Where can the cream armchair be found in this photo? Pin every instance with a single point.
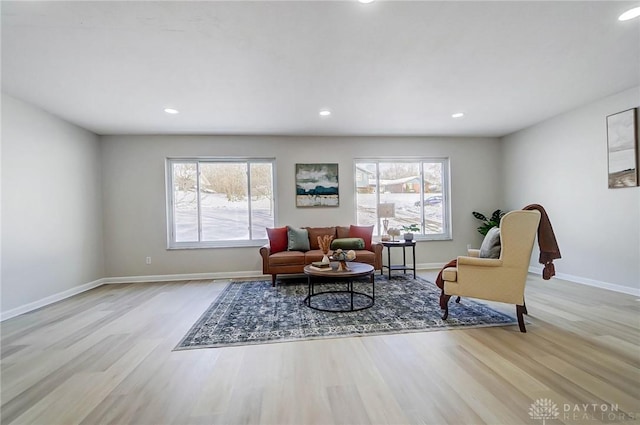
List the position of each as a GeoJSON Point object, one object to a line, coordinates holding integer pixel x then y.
{"type": "Point", "coordinates": [502, 279]}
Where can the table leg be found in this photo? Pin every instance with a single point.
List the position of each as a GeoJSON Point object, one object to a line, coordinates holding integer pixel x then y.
{"type": "Point", "coordinates": [414, 261]}
{"type": "Point", "coordinates": [373, 288]}
{"type": "Point", "coordinates": [351, 288]}
{"type": "Point", "coordinates": [389, 260]}
{"type": "Point", "coordinates": [404, 259]}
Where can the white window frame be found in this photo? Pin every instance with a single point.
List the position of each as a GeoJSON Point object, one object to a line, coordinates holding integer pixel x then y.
{"type": "Point", "coordinates": [171, 242]}
{"type": "Point", "coordinates": [447, 230]}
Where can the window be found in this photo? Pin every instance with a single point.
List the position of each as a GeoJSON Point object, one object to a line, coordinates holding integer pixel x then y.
{"type": "Point", "coordinates": [411, 191]}
{"type": "Point", "coordinates": [219, 201]}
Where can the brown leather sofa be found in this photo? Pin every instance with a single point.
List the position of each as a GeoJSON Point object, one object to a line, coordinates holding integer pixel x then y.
{"type": "Point", "coordinates": [288, 262]}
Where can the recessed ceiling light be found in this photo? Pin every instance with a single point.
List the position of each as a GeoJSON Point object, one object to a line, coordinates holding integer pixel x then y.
{"type": "Point", "coordinates": [325, 112]}
{"type": "Point", "coordinates": [171, 111]}
{"type": "Point", "coordinates": [630, 14]}
{"type": "Point", "coordinates": [365, 1]}
{"type": "Point", "coordinates": [457, 115]}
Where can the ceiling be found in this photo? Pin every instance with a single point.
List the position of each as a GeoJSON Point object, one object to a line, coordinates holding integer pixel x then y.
{"type": "Point", "coordinates": [268, 67]}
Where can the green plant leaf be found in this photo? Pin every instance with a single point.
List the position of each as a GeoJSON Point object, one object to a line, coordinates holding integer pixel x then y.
{"type": "Point", "coordinates": [488, 223]}
{"type": "Point", "coordinates": [479, 216]}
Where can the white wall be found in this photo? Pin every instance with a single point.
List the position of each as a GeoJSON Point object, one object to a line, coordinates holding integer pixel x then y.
{"type": "Point", "coordinates": [51, 206]}
{"type": "Point", "coordinates": [135, 204]}
{"type": "Point", "coordinates": [562, 165]}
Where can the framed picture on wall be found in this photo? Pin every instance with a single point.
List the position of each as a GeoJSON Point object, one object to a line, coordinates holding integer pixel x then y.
{"type": "Point", "coordinates": [317, 185]}
{"type": "Point", "coordinates": [622, 148]}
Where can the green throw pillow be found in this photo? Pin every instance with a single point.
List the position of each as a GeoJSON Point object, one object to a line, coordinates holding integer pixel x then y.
{"type": "Point", "coordinates": [298, 239]}
{"type": "Point", "coordinates": [347, 243]}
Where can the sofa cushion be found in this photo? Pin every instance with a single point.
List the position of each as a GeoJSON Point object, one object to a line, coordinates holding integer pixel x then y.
{"type": "Point", "coordinates": [364, 256]}
{"type": "Point", "coordinates": [491, 246]}
{"type": "Point", "coordinates": [314, 232]}
{"type": "Point", "coordinates": [313, 255]}
{"type": "Point", "coordinates": [342, 232]}
{"type": "Point", "coordinates": [298, 239]}
{"type": "Point", "coordinates": [364, 232]}
{"type": "Point", "coordinates": [286, 258]}
{"type": "Point", "coordinates": [347, 243]}
{"type": "Point", "coordinates": [278, 239]}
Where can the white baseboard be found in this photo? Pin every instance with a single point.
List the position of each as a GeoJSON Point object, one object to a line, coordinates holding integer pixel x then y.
{"type": "Point", "coordinates": [49, 300]}
{"type": "Point", "coordinates": [185, 276]}
{"type": "Point", "coordinates": [591, 282]}
{"type": "Point", "coordinates": [128, 279]}
{"type": "Point", "coordinates": [571, 278]}
{"type": "Point", "coordinates": [142, 279]}
{"type": "Point", "coordinates": [258, 274]}
{"type": "Point", "coordinates": [221, 275]}
{"type": "Point", "coordinates": [430, 266]}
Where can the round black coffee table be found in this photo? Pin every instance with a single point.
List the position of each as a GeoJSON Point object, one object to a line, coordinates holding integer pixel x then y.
{"type": "Point", "coordinates": [356, 271]}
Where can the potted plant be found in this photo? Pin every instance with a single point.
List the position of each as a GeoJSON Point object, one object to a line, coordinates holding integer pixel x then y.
{"type": "Point", "coordinates": [408, 231]}
{"type": "Point", "coordinates": [488, 223]}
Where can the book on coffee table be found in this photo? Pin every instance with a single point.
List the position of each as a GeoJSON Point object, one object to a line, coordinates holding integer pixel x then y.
{"type": "Point", "coordinates": [321, 265]}
{"type": "Point", "coordinates": [320, 269]}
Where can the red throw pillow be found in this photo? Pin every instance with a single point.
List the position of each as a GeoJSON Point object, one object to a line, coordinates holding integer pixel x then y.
{"type": "Point", "coordinates": [364, 232]}
{"type": "Point", "coordinates": [278, 239]}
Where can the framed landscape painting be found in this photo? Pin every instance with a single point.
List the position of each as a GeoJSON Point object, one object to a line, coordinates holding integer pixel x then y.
{"type": "Point", "coordinates": [622, 148]}
{"type": "Point", "coordinates": [317, 185]}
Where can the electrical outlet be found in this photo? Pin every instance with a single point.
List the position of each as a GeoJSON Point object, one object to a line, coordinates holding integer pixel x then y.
{"type": "Point", "coordinates": [148, 260]}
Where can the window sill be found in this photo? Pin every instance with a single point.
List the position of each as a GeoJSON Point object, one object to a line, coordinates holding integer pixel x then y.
{"type": "Point", "coordinates": [420, 238]}
{"type": "Point", "coordinates": [216, 245]}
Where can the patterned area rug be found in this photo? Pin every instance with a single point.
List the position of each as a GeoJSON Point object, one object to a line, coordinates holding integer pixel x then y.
{"type": "Point", "coordinates": [257, 313]}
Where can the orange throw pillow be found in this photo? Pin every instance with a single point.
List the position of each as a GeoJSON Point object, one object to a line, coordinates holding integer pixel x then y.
{"type": "Point", "coordinates": [278, 239]}
{"type": "Point", "coordinates": [314, 232]}
{"type": "Point", "coordinates": [363, 232]}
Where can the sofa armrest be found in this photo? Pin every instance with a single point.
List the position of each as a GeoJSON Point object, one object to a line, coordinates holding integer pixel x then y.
{"type": "Point", "coordinates": [481, 262]}
{"type": "Point", "coordinates": [377, 247]}
{"type": "Point", "coordinates": [265, 251]}
{"type": "Point", "coordinates": [473, 252]}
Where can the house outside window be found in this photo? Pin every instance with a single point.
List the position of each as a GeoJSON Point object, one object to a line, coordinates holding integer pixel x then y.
{"type": "Point", "coordinates": [219, 202]}
{"type": "Point", "coordinates": [416, 190]}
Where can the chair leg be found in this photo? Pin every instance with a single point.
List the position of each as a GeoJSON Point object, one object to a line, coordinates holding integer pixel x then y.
{"type": "Point", "coordinates": [520, 310]}
{"type": "Point", "coordinates": [273, 280]}
{"type": "Point", "coordinates": [458, 300]}
{"type": "Point", "coordinates": [444, 304]}
{"type": "Point", "coordinates": [524, 306]}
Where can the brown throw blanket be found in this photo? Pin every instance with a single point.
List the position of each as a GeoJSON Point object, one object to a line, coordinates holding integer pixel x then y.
{"type": "Point", "coordinates": [439, 279]}
{"type": "Point", "coordinates": [547, 243]}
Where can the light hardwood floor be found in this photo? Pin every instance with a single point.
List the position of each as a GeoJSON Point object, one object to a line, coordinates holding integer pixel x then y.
{"type": "Point", "coordinates": [105, 357]}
